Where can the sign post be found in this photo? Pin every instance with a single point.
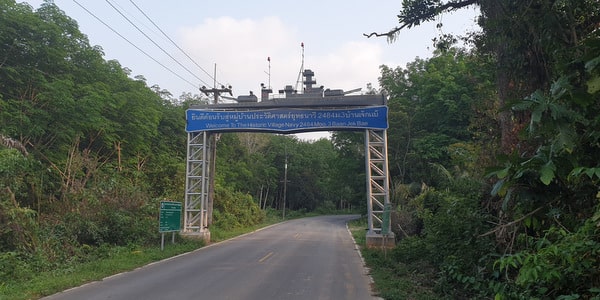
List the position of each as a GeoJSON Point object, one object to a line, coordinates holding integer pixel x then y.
{"type": "Point", "coordinates": [169, 220]}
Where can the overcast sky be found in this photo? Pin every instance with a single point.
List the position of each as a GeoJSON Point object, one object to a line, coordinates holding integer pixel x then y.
{"type": "Point", "coordinates": [238, 36]}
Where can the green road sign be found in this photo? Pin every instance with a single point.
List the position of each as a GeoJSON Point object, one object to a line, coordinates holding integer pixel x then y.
{"type": "Point", "coordinates": [170, 216]}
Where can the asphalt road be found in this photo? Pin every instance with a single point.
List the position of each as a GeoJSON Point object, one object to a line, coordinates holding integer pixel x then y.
{"type": "Point", "coordinates": [310, 258]}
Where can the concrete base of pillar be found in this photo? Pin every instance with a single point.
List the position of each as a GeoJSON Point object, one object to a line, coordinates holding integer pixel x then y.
{"type": "Point", "coordinates": [200, 235]}
{"type": "Point", "coordinates": [377, 240]}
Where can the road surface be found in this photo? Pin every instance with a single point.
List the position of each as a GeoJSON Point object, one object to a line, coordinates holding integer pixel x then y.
{"type": "Point", "coordinates": [310, 258]}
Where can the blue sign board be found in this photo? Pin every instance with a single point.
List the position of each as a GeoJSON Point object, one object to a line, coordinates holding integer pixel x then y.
{"type": "Point", "coordinates": [288, 120]}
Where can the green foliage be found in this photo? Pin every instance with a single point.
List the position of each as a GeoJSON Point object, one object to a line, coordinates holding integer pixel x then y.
{"type": "Point", "coordinates": [542, 115]}
{"type": "Point", "coordinates": [400, 273]}
{"type": "Point", "coordinates": [559, 179]}
{"type": "Point", "coordinates": [11, 266]}
{"type": "Point", "coordinates": [453, 224]}
{"type": "Point", "coordinates": [317, 172]}
{"type": "Point", "coordinates": [234, 209]}
{"type": "Point", "coordinates": [18, 231]}
{"type": "Point", "coordinates": [559, 265]}
{"type": "Point", "coordinates": [348, 169]}
{"type": "Point", "coordinates": [432, 144]}
{"type": "Point", "coordinates": [431, 107]}
{"type": "Point", "coordinates": [16, 175]}
{"type": "Point", "coordinates": [563, 164]}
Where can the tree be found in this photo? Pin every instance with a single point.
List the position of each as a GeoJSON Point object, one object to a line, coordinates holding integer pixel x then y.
{"type": "Point", "coordinates": [545, 56]}
{"type": "Point", "coordinates": [522, 37]}
{"type": "Point", "coordinates": [90, 130]}
{"type": "Point", "coordinates": [432, 104]}
{"type": "Point", "coordinates": [349, 166]}
{"type": "Point", "coordinates": [537, 46]}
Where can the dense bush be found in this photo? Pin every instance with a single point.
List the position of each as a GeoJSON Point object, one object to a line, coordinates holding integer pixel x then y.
{"type": "Point", "coordinates": [234, 209]}
{"type": "Point", "coordinates": [559, 265]}
{"type": "Point", "coordinates": [451, 239]}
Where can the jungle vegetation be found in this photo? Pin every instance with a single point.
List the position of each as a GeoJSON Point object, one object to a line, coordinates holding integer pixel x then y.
{"type": "Point", "coordinates": [494, 151]}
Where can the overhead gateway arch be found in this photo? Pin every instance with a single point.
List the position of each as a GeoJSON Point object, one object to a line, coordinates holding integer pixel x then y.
{"type": "Point", "coordinates": [314, 110]}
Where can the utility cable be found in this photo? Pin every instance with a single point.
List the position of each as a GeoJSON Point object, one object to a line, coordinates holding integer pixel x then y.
{"type": "Point", "coordinates": [172, 42]}
{"type": "Point", "coordinates": [155, 44]}
{"type": "Point", "coordinates": [134, 45]}
{"type": "Point", "coordinates": [137, 19]}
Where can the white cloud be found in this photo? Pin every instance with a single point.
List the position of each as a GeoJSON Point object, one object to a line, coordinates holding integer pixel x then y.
{"type": "Point", "coordinates": [240, 48]}
{"type": "Point", "coordinates": [352, 65]}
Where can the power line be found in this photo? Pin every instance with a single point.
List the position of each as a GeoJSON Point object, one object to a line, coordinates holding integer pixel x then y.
{"type": "Point", "coordinates": [155, 44]}
{"type": "Point", "coordinates": [132, 44]}
{"type": "Point", "coordinates": [137, 19]}
{"type": "Point", "coordinates": [172, 42]}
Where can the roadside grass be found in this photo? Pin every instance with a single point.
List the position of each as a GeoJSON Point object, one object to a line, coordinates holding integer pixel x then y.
{"type": "Point", "coordinates": [116, 260]}
{"type": "Point", "coordinates": [392, 278]}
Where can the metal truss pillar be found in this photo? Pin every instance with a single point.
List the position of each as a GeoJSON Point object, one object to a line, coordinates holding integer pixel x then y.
{"type": "Point", "coordinates": [378, 187]}
{"type": "Point", "coordinates": [196, 185]}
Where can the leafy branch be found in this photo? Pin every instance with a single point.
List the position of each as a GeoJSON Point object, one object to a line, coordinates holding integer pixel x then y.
{"type": "Point", "coordinates": [417, 11]}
